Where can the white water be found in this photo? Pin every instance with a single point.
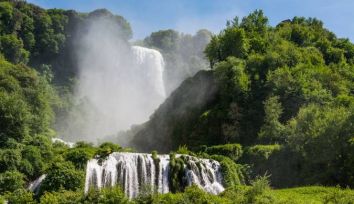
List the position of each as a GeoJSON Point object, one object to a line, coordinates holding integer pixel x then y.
{"type": "Point", "coordinates": [121, 93]}
{"type": "Point", "coordinates": [118, 85]}
{"type": "Point", "coordinates": [136, 171]}
{"type": "Point", "coordinates": [150, 68]}
{"type": "Point", "coordinates": [34, 185]}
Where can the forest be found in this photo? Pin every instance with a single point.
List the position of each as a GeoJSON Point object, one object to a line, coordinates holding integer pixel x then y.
{"type": "Point", "coordinates": [274, 105]}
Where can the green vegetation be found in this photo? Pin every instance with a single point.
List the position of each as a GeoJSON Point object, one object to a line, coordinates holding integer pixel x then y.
{"type": "Point", "coordinates": [283, 93]}
{"type": "Point", "coordinates": [278, 102]}
{"type": "Point", "coordinates": [258, 192]}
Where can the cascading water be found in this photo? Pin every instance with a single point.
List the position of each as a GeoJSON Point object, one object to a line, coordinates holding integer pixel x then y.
{"type": "Point", "coordinates": [35, 185]}
{"type": "Point", "coordinates": [151, 66]}
{"type": "Point", "coordinates": [119, 85]}
{"type": "Point", "coordinates": [136, 171]}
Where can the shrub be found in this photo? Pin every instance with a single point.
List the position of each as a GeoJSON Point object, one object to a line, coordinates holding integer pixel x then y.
{"type": "Point", "coordinates": [233, 151]}
{"type": "Point", "coordinates": [79, 157]}
{"type": "Point", "coordinates": [261, 152]}
{"type": "Point", "coordinates": [177, 174]}
{"type": "Point", "coordinates": [20, 196]}
{"type": "Point", "coordinates": [11, 181]}
{"type": "Point", "coordinates": [232, 173]}
{"type": "Point", "coordinates": [258, 190]}
{"type": "Point", "coordinates": [9, 159]}
{"type": "Point", "coordinates": [106, 149]}
{"type": "Point", "coordinates": [62, 175]}
{"type": "Point", "coordinates": [61, 197]}
{"type": "Point", "coordinates": [111, 195]}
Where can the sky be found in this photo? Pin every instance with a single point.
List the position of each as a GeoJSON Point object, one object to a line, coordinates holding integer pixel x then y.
{"type": "Point", "coordinates": [188, 16]}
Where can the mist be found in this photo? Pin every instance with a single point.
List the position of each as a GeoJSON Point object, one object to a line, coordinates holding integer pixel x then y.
{"type": "Point", "coordinates": [119, 86]}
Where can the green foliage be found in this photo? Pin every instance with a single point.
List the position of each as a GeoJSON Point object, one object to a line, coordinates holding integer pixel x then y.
{"type": "Point", "coordinates": [20, 196]}
{"type": "Point", "coordinates": [321, 135]}
{"type": "Point", "coordinates": [106, 149]}
{"type": "Point", "coordinates": [231, 77]}
{"type": "Point", "coordinates": [32, 155]}
{"type": "Point", "coordinates": [262, 152]}
{"type": "Point", "coordinates": [13, 50]}
{"type": "Point", "coordinates": [62, 175]}
{"type": "Point", "coordinates": [25, 105]}
{"type": "Point", "coordinates": [182, 53]}
{"type": "Point", "coordinates": [177, 180]}
{"type": "Point", "coordinates": [9, 159]}
{"type": "Point", "coordinates": [233, 151]}
{"type": "Point", "coordinates": [107, 195]}
{"type": "Point", "coordinates": [112, 196]}
{"type": "Point", "coordinates": [104, 14]}
{"type": "Point", "coordinates": [338, 196]}
{"type": "Point", "coordinates": [312, 194]}
{"type": "Point", "coordinates": [165, 40]}
{"type": "Point", "coordinates": [289, 85]}
{"type": "Point", "coordinates": [79, 157]}
{"type": "Point", "coordinates": [61, 197]}
{"type": "Point", "coordinates": [11, 181]}
{"type": "Point", "coordinates": [233, 174]}
{"type": "Point", "coordinates": [272, 129]}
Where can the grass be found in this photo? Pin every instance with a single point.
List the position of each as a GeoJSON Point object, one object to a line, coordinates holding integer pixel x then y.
{"type": "Point", "coordinates": [311, 194]}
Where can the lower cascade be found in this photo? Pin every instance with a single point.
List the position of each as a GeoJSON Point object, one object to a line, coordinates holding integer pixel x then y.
{"type": "Point", "coordinates": [137, 171]}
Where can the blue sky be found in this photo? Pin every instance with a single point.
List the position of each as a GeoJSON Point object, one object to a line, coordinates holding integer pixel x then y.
{"type": "Point", "coordinates": [190, 15]}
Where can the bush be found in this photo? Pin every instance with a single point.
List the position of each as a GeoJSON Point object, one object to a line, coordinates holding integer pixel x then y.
{"type": "Point", "coordinates": [233, 151]}
{"type": "Point", "coordinates": [112, 196]}
{"type": "Point", "coordinates": [79, 157]}
{"type": "Point", "coordinates": [106, 149]}
{"type": "Point", "coordinates": [62, 175]}
{"type": "Point", "coordinates": [32, 154]}
{"type": "Point", "coordinates": [232, 173]}
{"type": "Point", "coordinates": [9, 159]}
{"type": "Point", "coordinates": [260, 153]}
{"type": "Point", "coordinates": [61, 197]}
{"type": "Point", "coordinates": [20, 196]}
{"type": "Point", "coordinates": [108, 195]}
{"type": "Point", "coordinates": [177, 174]}
{"type": "Point", "coordinates": [11, 181]}
{"type": "Point", "coordinates": [194, 194]}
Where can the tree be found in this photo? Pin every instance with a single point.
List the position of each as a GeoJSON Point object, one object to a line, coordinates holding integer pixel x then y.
{"type": "Point", "coordinates": [79, 157]}
{"type": "Point", "coordinates": [11, 181]}
{"type": "Point", "coordinates": [232, 78]}
{"type": "Point", "coordinates": [166, 40]}
{"type": "Point", "coordinates": [33, 155]}
{"type": "Point", "coordinates": [272, 130]}
{"type": "Point", "coordinates": [321, 136]}
{"type": "Point", "coordinates": [62, 175]}
{"type": "Point", "coordinates": [12, 48]}
{"type": "Point", "coordinates": [9, 159]}
{"type": "Point", "coordinates": [255, 22]}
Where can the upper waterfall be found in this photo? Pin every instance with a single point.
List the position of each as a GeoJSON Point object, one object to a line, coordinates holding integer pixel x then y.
{"type": "Point", "coordinates": [118, 85]}
{"type": "Point", "coordinates": [136, 171]}
{"type": "Point", "coordinates": [151, 68]}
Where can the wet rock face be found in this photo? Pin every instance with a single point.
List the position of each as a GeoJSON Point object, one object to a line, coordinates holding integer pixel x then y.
{"type": "Point", "coordinates": [136, 172]}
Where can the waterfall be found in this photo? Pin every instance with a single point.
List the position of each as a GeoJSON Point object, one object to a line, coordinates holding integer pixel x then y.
{"type": "Point", "coordinates": [118, 85]}
{"type": "Point", "coordinates": [34, 185]}
{"type": "Point", "coordinates": [136, 171]}
{"type": "Point", "coordinates": [115, 91]}
{"type": "Point", "coordinates": [151, 67]}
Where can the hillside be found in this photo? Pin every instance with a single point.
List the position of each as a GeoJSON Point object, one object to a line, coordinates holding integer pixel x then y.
{"type": "Point", "coordinates": [269, 115]}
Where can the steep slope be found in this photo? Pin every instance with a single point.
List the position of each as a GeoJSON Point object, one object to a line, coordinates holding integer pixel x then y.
{"type": "Point", "coordinates": [167, 127]}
